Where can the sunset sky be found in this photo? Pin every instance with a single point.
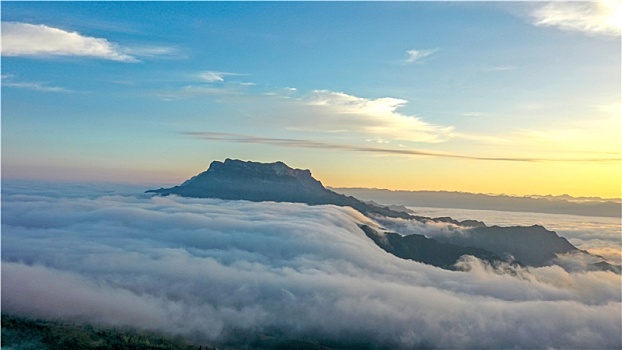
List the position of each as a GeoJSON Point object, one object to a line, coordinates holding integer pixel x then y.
{"type": "Point", "coordinates": [491, 97]}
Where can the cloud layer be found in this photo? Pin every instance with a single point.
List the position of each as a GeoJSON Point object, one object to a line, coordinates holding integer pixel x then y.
{"type": "Point", "coordinates": [209, 269]}
{"type": "Point", "coordinates": [24, 39]}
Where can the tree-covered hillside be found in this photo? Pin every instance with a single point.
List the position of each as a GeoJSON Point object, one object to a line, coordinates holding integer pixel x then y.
{"type": "Point", "coordinates": [21, 334]}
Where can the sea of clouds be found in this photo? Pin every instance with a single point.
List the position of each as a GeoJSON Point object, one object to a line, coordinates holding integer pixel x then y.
{"type": "Point", "coordinates": [212, 270]}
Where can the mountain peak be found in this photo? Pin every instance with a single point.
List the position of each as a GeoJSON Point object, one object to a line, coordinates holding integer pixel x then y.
{"type": "Point", "coordinates": [246, 180]}
{"type": "Point", "coordinates": [238, 179]}
{"type": "Point", "coordinates": [255, 168]}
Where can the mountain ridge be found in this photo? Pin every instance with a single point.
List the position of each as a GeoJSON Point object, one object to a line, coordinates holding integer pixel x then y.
{"type": "Point", "coordinates": [479, 201]}
{"type": "Point", "coordinates": [235, 179]}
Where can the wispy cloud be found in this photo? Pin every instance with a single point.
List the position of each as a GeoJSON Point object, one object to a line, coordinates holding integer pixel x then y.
{"type": "Point", "coordinates": [296, 143]}
{"type": "Point", "coordinates": [417, 55]}
{"type": "Point", "coordinates": [214, 77]}
{"type": "Point", "coordinates": [476, 114]}
{"type": "Point", "coordinates": [152, 51]}
{"type": "Point", "coordinates": [500, 68]}
{"type": "Point", "coordinates": [595, 18]}
{"type": "Point", "coordinates": [23, 39]}
{"type": "Point", "coordinates": [192, 91]}
{"type": "Point", "coordinates": [36, 87]}
{"type": "Point", "coordinates": [7, 81]}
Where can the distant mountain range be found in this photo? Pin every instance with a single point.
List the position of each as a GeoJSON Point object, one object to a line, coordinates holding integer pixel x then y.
{"type": "Point", "coordinates": [253, 181]}
{"type": "Point", "coordinates": [585, 206]}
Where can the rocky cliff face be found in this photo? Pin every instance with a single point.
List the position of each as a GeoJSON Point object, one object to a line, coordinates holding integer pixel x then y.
{"type": "Point", "coordinates": [236, 179]}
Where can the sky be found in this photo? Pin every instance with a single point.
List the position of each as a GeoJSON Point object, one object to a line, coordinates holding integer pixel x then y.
{"type": "Point", "coordinates": [490, 97]}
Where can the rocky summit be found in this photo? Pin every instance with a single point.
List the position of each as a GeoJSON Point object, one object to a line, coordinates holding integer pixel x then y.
{"type": "Point", "coordinates": [244, 180]}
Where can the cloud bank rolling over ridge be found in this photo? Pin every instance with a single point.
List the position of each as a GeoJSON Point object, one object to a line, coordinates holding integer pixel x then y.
{"type": "Point", "coordinates": [597, 235]}
{"type": "Point", "coordinates": [210, 269]}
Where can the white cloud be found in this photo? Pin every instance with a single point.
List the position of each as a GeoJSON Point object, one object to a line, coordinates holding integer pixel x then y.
{"type": "Point", "coordinates": [216, 269]}
{"type": "Point", "coordinates": [428, 229]}
{"type": "Point", "coordinates": [340, 112]}
{"type": "Point", "coordinates": [596, 18]}
{"type": "Point", "coordinates": [417, 55]}
{"type": "Point", "coordinates": [23, 39]}
{"type": "Point", "coordinates": [335, 115]}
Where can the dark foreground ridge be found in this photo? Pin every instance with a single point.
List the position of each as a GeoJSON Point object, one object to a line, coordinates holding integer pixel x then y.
{"type": "Point", "coordinates": [244, 180]}
{"type": "Point", "coordinates": [24, 333]}
{"type": "Point", "coordinates": [27, 333]}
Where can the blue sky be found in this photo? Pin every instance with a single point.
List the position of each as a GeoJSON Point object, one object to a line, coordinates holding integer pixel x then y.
{"type": "Point", "coordinates": [491, 97]}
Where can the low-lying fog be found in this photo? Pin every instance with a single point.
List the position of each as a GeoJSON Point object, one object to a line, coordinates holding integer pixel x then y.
{"type": "Point", "coordinates": [212, 269]}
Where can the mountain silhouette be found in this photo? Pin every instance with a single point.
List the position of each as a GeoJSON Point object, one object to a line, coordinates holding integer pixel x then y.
{"type": "Point", "coordinates": [426, 250]}
{"type": "Point", "coordinates": [244, 180]}
{"type": "Point", "coordinates": [531, 245]}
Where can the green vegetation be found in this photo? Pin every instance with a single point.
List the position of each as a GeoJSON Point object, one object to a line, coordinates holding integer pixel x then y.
{"type": "Point", "coordinates": [19, 333]}
{"type": "Point", "coordinates": [26, 334]}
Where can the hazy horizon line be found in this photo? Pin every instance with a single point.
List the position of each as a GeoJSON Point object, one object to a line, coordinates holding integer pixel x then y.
{"type": "Point", "coordinates": [531, 196]}
{"type": "Point", "coordinates": [147, 183]}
